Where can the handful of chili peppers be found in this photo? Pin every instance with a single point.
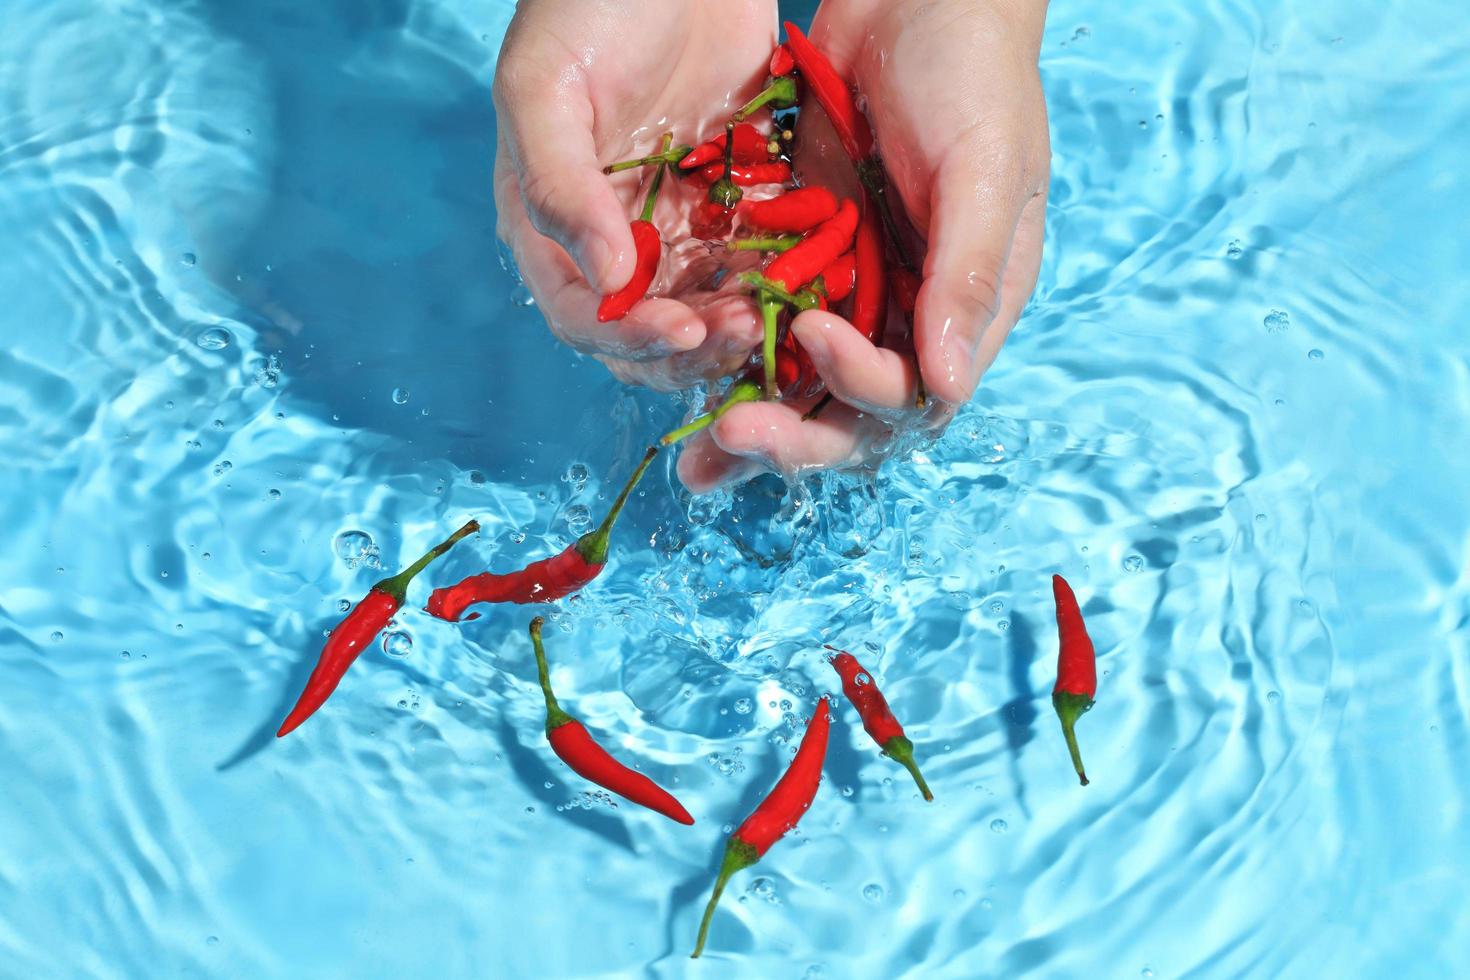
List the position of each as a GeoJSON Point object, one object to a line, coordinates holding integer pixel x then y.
{"type": "Point", "coordinates": [818, 250]}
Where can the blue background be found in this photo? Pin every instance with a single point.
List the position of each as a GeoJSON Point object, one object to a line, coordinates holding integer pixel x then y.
{"type": "Point", "coordinates": [1263, 514]}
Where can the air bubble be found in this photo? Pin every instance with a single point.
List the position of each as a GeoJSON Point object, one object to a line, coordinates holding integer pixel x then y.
{"type": "Point", "coordinates": [397, 644]}
{"type": "Point", "coordinates": [189, 258]}
{"type": "Point", "coordinates": [56, 636]}
{"type": "Point", "coordinates": [1315, 355]}
{"type": "Point", "coordinates": [214, 338]}
{"type": "Point", "coordinates": [998, 825]}
{"type": "Point", "coordinates": [343, 605]}
{"type": "Point", "coordinates": [579, 518]}
{"type": "Point", "coordinates": [1273, 696]}
{"type": "Point", "coordinates": [1233, 250]}
{"type": "Point", "coordinates": [222, 467]}
{"type": "Point", "coordinates": [356, 548]}
{"type": "Point", "coordinates": [873, 893]}
{"type": "Point", "coordinates": [1133, 563]}
{"type": "Point", "coordinates": [274, 494]}
{"type": "Point", "coordinates": [744, 706]}
{"type": "Point", "coordinates": [1277, 321]}
{"type": "Point", "coordinates": [400, 396]}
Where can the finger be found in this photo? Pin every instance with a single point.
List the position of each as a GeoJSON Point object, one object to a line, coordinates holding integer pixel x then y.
{"type": "Point", "coordinates": [547, 118]}
{"type": "Point", "coordinates": [775, 435]}
{"type": "Point", "coordinates": [872, 379]}
{"type": "Point", "coordinates": [704, 466]}
{"type": "Point", "coordinates": [732, 331]}
{"type": "Point", "coordinates": [976, 204]}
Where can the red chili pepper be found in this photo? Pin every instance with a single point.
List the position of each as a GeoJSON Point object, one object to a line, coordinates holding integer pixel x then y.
{"type": "Point", "coordinates": [777, 813]}
{"type": "Point", "coordinates": [1076, 668]}
{"type": "Point", "coordinates": [751, 146]}
{"type": "Point", "coordinates": [716, 216]}
{"type": "Point", "coordinates": [573, 744]}
{"type": "Point", "coordinates": [799, 210]}
{"type": "Point", "coordinates": [839, 275]}
{"type": "Point", "coordinates": [353, 634]}
{"type": "Point", "coordinates": [870, 287]}
{"type": "Point", "coordinates": [905, 285]}
{"type": "Point", "coordinates": [541, 581]}
{"type": "Point", "coordinates": [749, 175]}
{"type": "Point", "coordinates": [878, 720]}
{"type": "Point", "coordinates": [782, 64]}
{"type": "Point", "coordinates": [793, 269]}
{"type": "Point", "coordinates": [648, 248]}
{"type": "Point", "coordinates": [833, 94]}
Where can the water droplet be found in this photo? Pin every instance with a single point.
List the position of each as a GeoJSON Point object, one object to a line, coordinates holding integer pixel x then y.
{"type": "Point", "coordinates": [764, 888]}
{"type": "Point", "coordinates": [212, 941]}
{"type": "Point", "coordinates": [743, 706]}
{"type": "Point", "coordinates": [517, 536]}
{"type": "Point", "coordinates": [343, 605]}
{"type": "Point", "coordinates": [986, 904]}
{"type": "Point", "coordinates": [397, 644]}
{"type": "Point", "coordinates": [1260, 518]}
{"type": "Point", "coordinates": [274, 494]}
{"type": "Point", "coordinates": [579, 518]}
{"type": "Point", "coordinates": [56, 636]}
{"type": "Point", "coordinates": [862, 679]}
{"type": "Point", "coordinates": [577, 475]}
{"type": "Point", "coordinates": [998, 825]}
{"type": "Point", "coordinates": [1147, 972]}
{"type": "Point", "coordinates": [268, 372]}
{"type": "Point", "coordinates": [1003, 625]}
{"type": "Point", "coordinates": [1233, 250]}
{"type": "Point", "coordinates": [356, 548]}
{"type": "Point", "coordinates": [222, 467]}
{"type": "Point", "coordinates": [959, 894]}
{"type": "Point", "coordinates": [996, 607]}
{"type": "Point", "coordinates": [1273, 696]}
{"type": "Point", "coordinates": [1133, 563]}
{"type": "Point", "coordinates": [213, 338]}
{"type": "Point", "coordinates": [1277, 321]}
{"type": "Point", "coordinates": [521, 296]}
{"type": "Point", "coordinates": [400, 396]}
{"type": "Point", "coordinates": [189, 258]}
{"type": "Point", "coordinates": [1315, 355]}
{"type": "Point", "coordinates": [477, 478]}
{"type": "Point", "coordinates": [873, 893]}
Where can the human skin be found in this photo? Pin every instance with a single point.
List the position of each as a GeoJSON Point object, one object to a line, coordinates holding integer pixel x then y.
{"type": "Point", "coordinates": [955, 99]}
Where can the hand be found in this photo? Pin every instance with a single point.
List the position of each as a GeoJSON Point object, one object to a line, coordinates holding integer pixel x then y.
{"type": "Point", "coordinates": [955, 100]}
{"type": "Point", "coordinates": [574, 79]}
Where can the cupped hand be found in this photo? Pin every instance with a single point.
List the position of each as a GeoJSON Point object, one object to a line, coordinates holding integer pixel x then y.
{"type": "Point", "coordinates": [575, 78]}
{"type": "Point", "coordinates": [955, 99]}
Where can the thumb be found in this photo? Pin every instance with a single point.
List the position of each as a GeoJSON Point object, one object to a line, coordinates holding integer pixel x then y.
{"type": "Point", "coordinates": [977, 204]}
{"type": "Point", "coordinates": [548, 130]}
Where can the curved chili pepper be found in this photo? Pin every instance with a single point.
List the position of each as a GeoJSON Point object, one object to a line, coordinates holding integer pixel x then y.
{"type": "Point", "coordinates": [878, 719]}
{"type": "Point", "coordinates": [839, 275]}
{"type": "Point", "coordinates": [353, 634]}
{"type": "Point", "coordinates": [1076, 668]}
{"type": "Point", "coordinates": [782, 64]}
{"type": "Point", "coordinates": [905, 285]}
{"type": "Point", "coordinates": [648, 248]}
{"type": "Point", "coordinates": [541, 581]}
{"type": "Point", "coordinates": [870, 287]}
{"type": "Point", "coordinates": [751, 146]}
{"type": "Point", "coordinates": [573, 744]}
{"type": "Point", "coordinates": [799, 210]}
{"type": "Point", "coordinates": [833, 94]}
{"type": "Point", "coordinates": [777, 813]}
{"type": "Point", "coordinates": [779, 93]}
{"type": "Point", "coordinates": [794, 269]}
{"type": "Point", "coordinates": [748, 175]}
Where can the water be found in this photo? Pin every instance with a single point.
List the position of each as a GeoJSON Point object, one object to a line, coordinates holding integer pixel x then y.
{"type": "Point", "coordinates": [229, 233]}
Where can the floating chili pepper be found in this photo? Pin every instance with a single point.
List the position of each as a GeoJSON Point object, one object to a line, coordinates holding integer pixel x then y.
{"type": "Point", "coordinates": [782, 64]}
{"type": "Point", "coordinates": [800, 210]}
{"type": "Point", "coordinates": [839, 275]}
{"type": "Point", "coordinates": [573, 744]}
{"type": "Point", "coordinates": [878, 719]}
{"type": "Point", "coordinates": [1076, 668]}
{"type": "Point", "coordinates": [670, 156]}
{"type": "Point", "coordinates": [794, 269]}
{"type": "Point", "coordinates": [777, 813]}
{"type": "Point", "coordinates": [779, 93]}
{"type": "Point", "coordinates": [751, 146]}
{"type": "Point", "coordinates": [541, 581]}
{"type": "Point", "coordinates": [748, 175]}
{"type": "Point", "coordinates": [648, 248]}
{"type": "Point", "coordinates": [905, 285]}
{"type": "Point", "coordinates": [870, 287]}
{"type": "Point", "coordinates": [745, 390]}
{"type": "Point", "coordinates": [361, 627]}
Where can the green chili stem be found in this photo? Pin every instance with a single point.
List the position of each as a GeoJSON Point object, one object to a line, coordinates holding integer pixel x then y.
{"type": "Point", "coordinates": [397, 586]}
{"type": "Point", "coordinates": [1070, 707]}
{"type": "Point", "coordinates": [901, 750]}
{"type": "Point", "coordinates": [669, 155]}
{"type": "Point", "coordinates": [658, 179]}
{"type": "Point", "coordinates": [763, 243]}
{"type": "Point", "coordinates": [770, 310]}
{"type": "Point", "coordinates": [592, 546]}
{"type": "Point", "coordinates": [738, 856]}
{"type": "Point", "coordinates": [742, 391]}
{"type": "Point", "coordinates": [555, 716]}
{"type": "Point", "coordinates": [781, 92]}
{"type": "Point", "coordinates": [760, 284]}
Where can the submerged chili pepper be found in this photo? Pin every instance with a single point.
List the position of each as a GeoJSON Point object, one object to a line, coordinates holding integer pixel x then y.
{"type": "Point", "coordinates": [1076, 668]}
{"type": "Point", "coordinates": [777, 813]}
{"type": "Point", "coordinates": [353, 634]}
{"type": "Point", "coordinates": [870, 287]}
{"type": "Point", "coordinates": [799, 210]}
{"type": "Point", "coordinates": [905, 285]}
{"type": "Point", "coordinates": [750, 146]}
{"type": "Point", "coordinates": [779, 93]}
{"type": "Point", "coordinates": [839, 275]}
{"type": "Point", "coordinates": [794, 269]}
{"type": "Point", "coordinates": [573, 744]}
{"type": "Point", "coordinates": [750, 174]}
{"type": "Point", "coordinates": [541, 581]}
{"type": "Point", "coordinates": [648, 248]}
{"type": "Point", "coordinates": [878, 719]}
{"type": "Point", "coordinates": [782, 64]}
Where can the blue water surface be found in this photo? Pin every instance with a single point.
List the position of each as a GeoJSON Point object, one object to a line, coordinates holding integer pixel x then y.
{"type": "Point", "coordinates": [257, 345]}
